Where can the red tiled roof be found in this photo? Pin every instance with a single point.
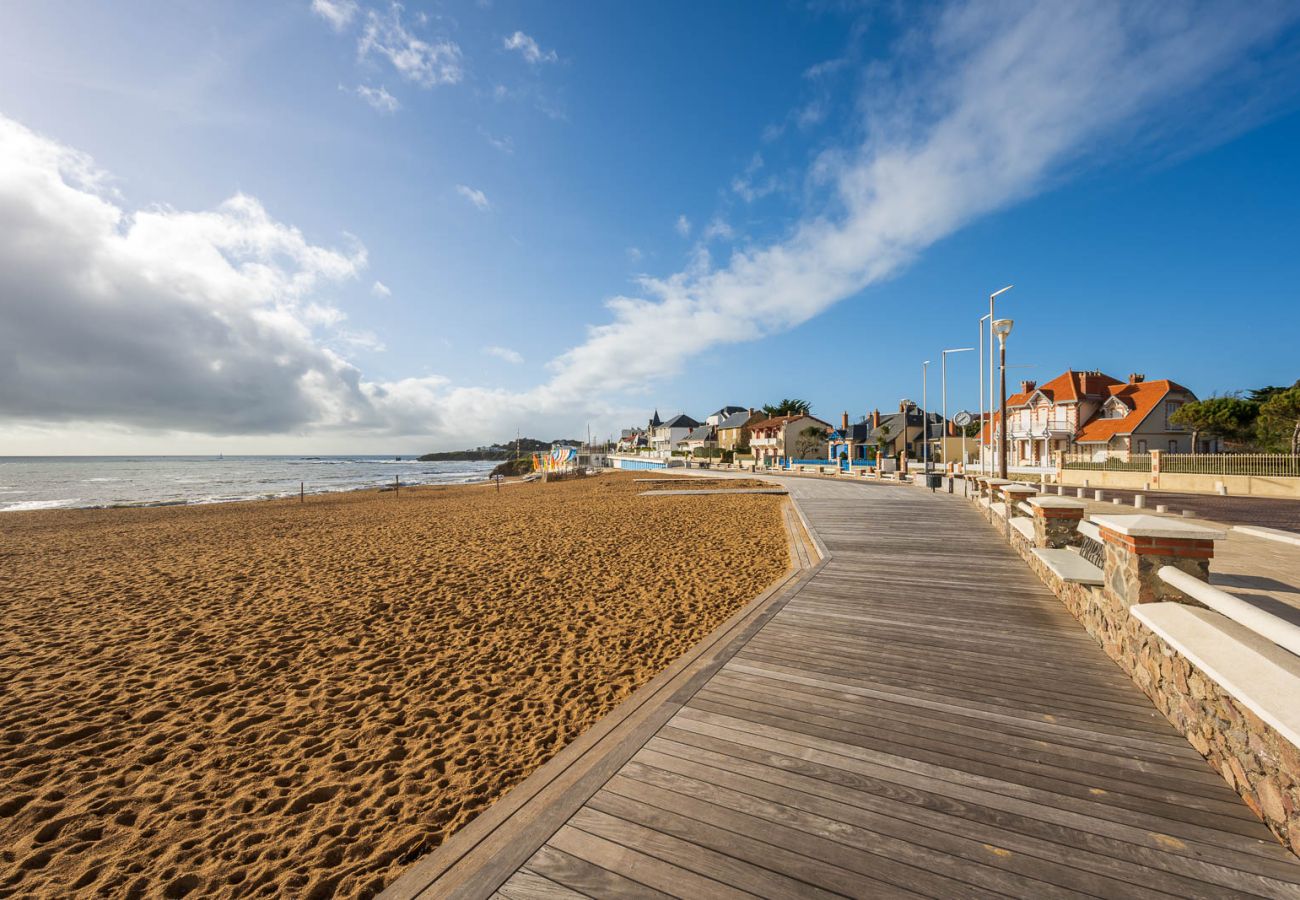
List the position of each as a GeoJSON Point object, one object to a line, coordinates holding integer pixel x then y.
{"type": "Point", "coordinates": [1140, 398]}
{"type": "Point", "coordinates": [778, 421]}
{"type": "Point", "coordinates": [1067, 387]}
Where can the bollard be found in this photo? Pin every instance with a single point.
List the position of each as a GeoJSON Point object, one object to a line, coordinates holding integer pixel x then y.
{"type": "Point", "coordinates": [1139, 502]}
{"type": "Point", "coordinates": [1079, 493]}
{"type": "Point", "coordinates": [1116, 501]}
{"type": "Point", "coordinates": [302, 491]}
{"type": "Point", "coordinates": [1220, 488]}
{"type": "Point", "coordinates": [1162, 508]}
{"type": "Point", "coordinates": [1188, 514]}
{"type": "Point", "coordinates": [1098, 496]}
{"type": "Point", "coordinates": [1060, 490]}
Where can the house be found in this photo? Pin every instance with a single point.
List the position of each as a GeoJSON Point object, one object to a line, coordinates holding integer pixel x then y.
{"type": "Point", "coordinates": [1135, 418]}
{"type": "Point", "coordinates": [781, 437]}
{"type": "Point", "coordinates": [665, 436]}
{"type": "Point", "coordinates": [734, 431]}
{"type": "Point", "coordinates": [890, 434]}
{"type": "Point", "coordinates": [701, 438]}
{"type": "Point", "coordinates": [719, 416]}
{"type": "Point", "coordinates": [633, 439]}
{"type": "Point", "coordinates": [1090, 411]}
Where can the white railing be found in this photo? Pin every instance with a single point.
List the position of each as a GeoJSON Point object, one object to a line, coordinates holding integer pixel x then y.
{"type": "Point", "coordinates": [764, 442]}
{"type": "Point", "coordinates": [1276, 465]}
{"type": "Point", "coordinates": [1278, 630]}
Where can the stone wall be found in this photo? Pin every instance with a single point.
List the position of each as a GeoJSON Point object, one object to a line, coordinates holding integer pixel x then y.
{"type": "Point", "coordinates": [1251, 756]}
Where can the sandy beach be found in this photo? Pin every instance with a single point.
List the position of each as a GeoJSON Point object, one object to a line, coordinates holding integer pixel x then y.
{"type": "Point", "coordinates": [284, 699]}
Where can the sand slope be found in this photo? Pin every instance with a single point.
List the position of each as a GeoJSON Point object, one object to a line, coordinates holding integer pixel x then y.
{"type": "Point", "coordinates": [281, 699]}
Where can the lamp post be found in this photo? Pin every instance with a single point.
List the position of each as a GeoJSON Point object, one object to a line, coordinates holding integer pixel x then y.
{"type": "Point", "coordinates": [944, 357]}
{"type": "Point", "coordinates": [992, 321]}
{"type": "Point", "coordinates": [1002, 328]}
{"type": "Point", "coordinates": [925, 422]}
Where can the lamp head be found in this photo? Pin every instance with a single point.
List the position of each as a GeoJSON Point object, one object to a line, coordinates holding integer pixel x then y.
{"type": "Point", "coordinates": [1002, 328]}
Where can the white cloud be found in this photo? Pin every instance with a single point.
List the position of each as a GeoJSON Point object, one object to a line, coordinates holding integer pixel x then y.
{"type": "Point", "coordinates": [477, 197]}
{"type": "Point", "coordinates": [718, 229]}
{"type": "Point", "coordinates": [378, 98]}
{"type": "Point", "coordinates": [528, 47]}
{"type": "Point", "coordinates": [419, 61]}
{"type": "Point", "coordinates": [683, 225]}
{"type": "Point", "coordinates": [748, 186]}
{"type": "Point", "coordinates": [216, 322]}
{"type": "Point", "coordinates": [504, 144]}
{"type": "Point", "coordinates": [379, 289]}
{"type": "Point", "coordinates": [989, 107]}
{"type": "Point", "coordinates": [634, 254]}
{"type": "Point", "coordinates": [510, 356]}
{"type": "Point", "coordinates": [338, 13]}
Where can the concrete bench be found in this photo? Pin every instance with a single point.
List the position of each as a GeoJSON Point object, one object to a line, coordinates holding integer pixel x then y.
{"type": "Point", "coordinates": [1259, 674]}
{"type": "Point", "coordinates": [1069, 566]}
{"type": "Point", "coordinates": [999, 509]}
{"type": "Point", "coordinates": [1025, 527]}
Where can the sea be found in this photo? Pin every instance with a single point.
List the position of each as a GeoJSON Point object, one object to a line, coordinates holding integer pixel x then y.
{"type": "Point", "coordinates": [67, 482]}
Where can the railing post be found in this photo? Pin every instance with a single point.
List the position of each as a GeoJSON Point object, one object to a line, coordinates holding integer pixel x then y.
{"type": "Point", "coordinates": [1138, 546]}
{"type": "Point", "coordinates": [1056, 521]}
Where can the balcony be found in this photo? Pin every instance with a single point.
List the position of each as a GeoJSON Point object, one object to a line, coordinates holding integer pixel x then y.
{"type": "Point", "coordinates": [764, 442]}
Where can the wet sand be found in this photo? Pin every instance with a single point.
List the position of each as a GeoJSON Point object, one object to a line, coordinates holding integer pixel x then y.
{"type": "Point", "coordinates": [284, 699]}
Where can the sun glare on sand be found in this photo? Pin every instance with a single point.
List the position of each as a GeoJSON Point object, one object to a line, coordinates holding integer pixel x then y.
{"type": "Point", "coordinates": [265, 699]}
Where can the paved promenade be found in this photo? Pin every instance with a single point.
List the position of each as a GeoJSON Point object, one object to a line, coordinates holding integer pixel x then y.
{"type": "Point", "coordinates": [915, 716]}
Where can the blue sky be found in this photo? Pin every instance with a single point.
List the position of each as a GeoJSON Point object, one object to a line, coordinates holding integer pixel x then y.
{"type": "Point", "coordinates": [454, 220]}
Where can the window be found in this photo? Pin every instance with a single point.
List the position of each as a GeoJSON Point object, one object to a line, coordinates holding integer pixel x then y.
{"type": "Point", "coordinates": [1171, 407]}
{"type": "Point", "coordinates": [1142, 447]}
{"type": "Point", "coordinates": [1173, 446]}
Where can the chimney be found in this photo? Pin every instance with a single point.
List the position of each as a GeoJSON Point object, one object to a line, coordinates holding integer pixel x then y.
{"type": "Point", "coordinates": [1083, 384]}
{"type": "Point", "coordinates": [844, 423]}
{"type": "Point", "coordinates": [875, 418]}
{"type": "Point", "coordinates": [1027, 386]}
{"type": "Point", "coordinates": [1136, 378]}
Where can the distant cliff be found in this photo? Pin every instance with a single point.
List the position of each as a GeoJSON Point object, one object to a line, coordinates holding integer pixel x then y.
{"type": "Point", "coordinates": [525, 446]}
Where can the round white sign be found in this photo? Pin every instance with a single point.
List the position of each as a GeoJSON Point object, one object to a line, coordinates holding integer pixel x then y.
{"type": "Point", "coordinates": [962, 419]}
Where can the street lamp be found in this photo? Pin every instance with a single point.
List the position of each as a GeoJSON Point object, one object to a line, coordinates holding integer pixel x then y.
{"type": "Point", "coordinates": [992, 318]}
{"type": "Point", "coordinates": [944, 357]}
{"type": "Point", "coordinates": [1002, 328]}
{"type": "Point", "coordinates": [925, 422]}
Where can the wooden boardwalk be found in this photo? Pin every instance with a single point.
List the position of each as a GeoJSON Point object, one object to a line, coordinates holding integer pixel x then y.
{"type": "Point", "coordinates": [915, 716]}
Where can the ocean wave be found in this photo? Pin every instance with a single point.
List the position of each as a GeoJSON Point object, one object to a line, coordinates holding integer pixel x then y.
{"type": "Point", "coordinates": [30, 505]}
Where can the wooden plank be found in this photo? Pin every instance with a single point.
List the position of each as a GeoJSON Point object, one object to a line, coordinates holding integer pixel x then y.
{"type": "Point", "coordinates": [690, 856]}
{"type": "Point", "coordinates": [821, 845]}
{"type": "Point", "coordinates": [529, 885]}
{"type": "Point", "coordinates": [586, 878]}
{"type": "Point", "coordinates": [845, 795]}
{"type": "Point", "coordinates": [643, 868]}
{"type": "Point", "coordinates": [1225, 848]}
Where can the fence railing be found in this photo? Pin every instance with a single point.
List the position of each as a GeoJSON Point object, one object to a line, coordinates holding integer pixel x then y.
{"type": "Point", "coordinates": [1132, 462]}
{"type": "Point", "coordinates": [1278, 465]}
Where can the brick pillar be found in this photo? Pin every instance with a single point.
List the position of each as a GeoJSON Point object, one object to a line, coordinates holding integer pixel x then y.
{"type": "Point", "coordinates": [1138, 546]}
{"type": "Point", "coordinates": [1056, 521]}
{"type": "Point", "coordinates": [1012, 494]}
{"type": "Point", "coordinates": [1155, 469]}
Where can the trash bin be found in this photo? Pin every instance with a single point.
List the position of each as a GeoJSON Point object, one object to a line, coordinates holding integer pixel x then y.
{"type": "Point", "coordinates": [933, 480]}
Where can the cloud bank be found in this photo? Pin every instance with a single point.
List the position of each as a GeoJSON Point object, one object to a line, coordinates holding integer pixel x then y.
{"type": "Point", "coordinates": [214, 321]}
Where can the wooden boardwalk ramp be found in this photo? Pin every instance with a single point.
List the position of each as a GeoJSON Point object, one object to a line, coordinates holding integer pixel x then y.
{"type": "Point", "coordinates": [917, 716]}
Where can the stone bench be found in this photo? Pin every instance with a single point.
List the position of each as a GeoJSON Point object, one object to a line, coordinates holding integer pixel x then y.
{"type": "Point", "coordinates": [1254, 670]}
{"type": "Point", "coordinates": [1024, 526]}
{"type": "Point", "coordinates": [1067, 565]}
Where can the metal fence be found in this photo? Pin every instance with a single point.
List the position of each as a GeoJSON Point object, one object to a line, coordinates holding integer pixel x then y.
{"type": "Point", "coordinates": [1131, 462]}
{"type": "Point", "coordinates": [1282, 465]}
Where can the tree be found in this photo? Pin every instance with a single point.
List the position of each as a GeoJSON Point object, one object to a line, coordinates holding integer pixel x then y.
{"type": "Point", "coordinates": [788, 407]}
{"type": "Point", "coordinates": [1264, 394]}
{"type": "Point", "coordinates": [1279, 420]}
{"type": "Point", "coordinates": [1229, 417]}
{"type": "Point", "coordinates": [809, 442]}
{"type": "Point", "coordinates": [882, 439]}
